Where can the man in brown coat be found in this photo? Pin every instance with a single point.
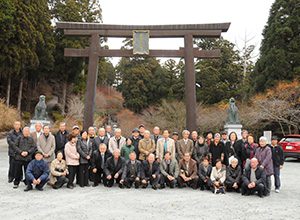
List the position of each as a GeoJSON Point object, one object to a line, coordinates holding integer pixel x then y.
{"type": "Point", "coordinates": [188, 172]}
{"type": "Point", "coordinates": [146, 146]}
{"type": "Point", "coordinates": [185, 145]}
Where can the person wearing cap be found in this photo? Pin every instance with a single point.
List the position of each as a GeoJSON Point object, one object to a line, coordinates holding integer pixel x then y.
{"type": "Point", "coordinates": [142, 130]}
{"type": "Point", "coordinates": [37, 172]}
{"type": "Point", "coordinates": [185, 145]}
{"type": "Point", "coordinates": [165, 144]}
{"type": "Point", "coordinates": [146, 146]}
{"type": "Point", "coordinates": [264, 156]}
{"type": "Point", "coordinates": [216, 149]}
{"type": "Point", "coordinates": [224, 138]}
{"type": "Point", "coordinates": [117, 141]}
{"type": "Point", "coordinates": [135, 138]}
{"type": "Point", "coordinates": [24, 149]}
{"type": "Point", "coordinates": [278, 160]}
{"type": "Point", "coordinates": [46, 145]}
{"type": "Point", "coordinates": [76, 131]}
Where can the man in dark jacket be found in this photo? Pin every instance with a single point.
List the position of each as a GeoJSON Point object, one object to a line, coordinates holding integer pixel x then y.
{"type": "Point", "coordinates": [37, 172]}
{"type": "Point", "coordinates": [24, 149]}
{"type": "Point", "coordinates": [100, 139]}
{"type": "Point", "coordinates": [99, 158]}
{"type": "Point", "coordinates": [233, 176]}
{"type": "Point", "coordinates": [278, 160]}
{"type": "Point", "coordinates": [254, 179]}
{"type": "Point", "coordinates": [150, 172]}
{"type": "Point", "coordinates": [240, 144]}
{"type": "Point", "coordinates": [12, 137]}
{"type": "Point", "coordinates": [61, 138]}
{"type": "Point", "coordinates": [204, 172]}
{"type": "Point", "coordinates": [132, 172]}
{"type": "Point", "coordinates": [135, 138]}
{"type": "Point", "coordinates": [113, 168]}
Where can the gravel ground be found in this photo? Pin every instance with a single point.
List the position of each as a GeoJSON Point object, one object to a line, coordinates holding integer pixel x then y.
{"type": "Point", "coordinates": [115, 203]}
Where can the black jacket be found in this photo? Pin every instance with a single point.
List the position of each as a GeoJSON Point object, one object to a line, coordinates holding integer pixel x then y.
{"type": "Point", "coordinates": [24, 144]}
{"type": "Point", "coordinates": [111, 169]}
{"type": "Point", "coordinates": [60, 141]}
{"type": "Point", "coordinates": [240, 144]}
{"type": "Point", "coordinates": [233, 175]}
{"type": "Point", "coordinates": [12, 137]}
{"type": "Point", "coordinates": [277, 155]}
{"type": "Point", "coordinates": [200, 151]}
{"type": "Point", "coordinates": [137, 167]}
{"type": "Point", "coordinates": [97, 141]}
{"type": "Point", "coordinates": [135, 143]}
{"type": "Point", "coordinates": [97, 159]}
{"type": "Point", "coordinates": [146, 173]}
{"type": "Point", "coordinates": [259, 173]}
{"type": "Point", "coordinates": [216, 152]}
{"type": "Point", "coordinates": [230, 150]}
{"type": "Point", "coordinates": [204, 174]}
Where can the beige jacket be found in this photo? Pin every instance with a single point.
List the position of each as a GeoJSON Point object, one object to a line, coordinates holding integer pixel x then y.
{"type": "Point", "coordinates": [146, 146]}
{"type": "Point", "coordinates": [72, 156]}
{"type": "Point", "coordinates": [55, 166]}
{"type": "Point", "coordinates": [160, 148]}
{"type": "Point", "coordinates": [47, 146]}
{"type": "Point", "coordinates": [183, 147]}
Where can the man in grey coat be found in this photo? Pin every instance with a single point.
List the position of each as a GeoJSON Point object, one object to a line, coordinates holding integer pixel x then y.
{"type": "Point", "coordinates": [46, 145]}
{"type": "Point", "coordinates": [169, 171]}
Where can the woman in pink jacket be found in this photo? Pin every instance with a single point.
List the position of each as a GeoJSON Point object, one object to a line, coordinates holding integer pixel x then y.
{"type": "Point", "coordinates": [72, 159]}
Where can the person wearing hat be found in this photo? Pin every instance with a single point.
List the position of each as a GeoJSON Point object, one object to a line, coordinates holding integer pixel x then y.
{"type": "Point", "coordinates": [135, 138]}
{"type": "Point", "coordinates": [278, 160]}
{"type": "Point", "coordinates": [142, 129]}
{"type": "Point", "coordinates": [76, 131]}
{"type": "Point", "coordinates": [224, 137]}
{"type": "Point", "coordinates": [37, 172]}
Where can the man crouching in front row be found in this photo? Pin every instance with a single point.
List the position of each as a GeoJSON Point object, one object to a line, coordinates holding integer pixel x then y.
{"type": "Point", "coordinates": [254, 179]}
{"type": "Point", "coordinates": [132, 172]}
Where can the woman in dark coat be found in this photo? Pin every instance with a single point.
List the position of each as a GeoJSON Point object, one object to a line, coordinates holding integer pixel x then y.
{"type": "Point", "coordinates": [84, 148]}
{"type": "Point", "coordinates": [230, 149]}
{"type": "Point", "coordinates": [201, 150]}
{"type": "Point", "coordinates": [217, 149]}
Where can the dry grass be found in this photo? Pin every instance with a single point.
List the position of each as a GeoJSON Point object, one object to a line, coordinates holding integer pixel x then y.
{"type": "Point", "coordinates": [8, 116]}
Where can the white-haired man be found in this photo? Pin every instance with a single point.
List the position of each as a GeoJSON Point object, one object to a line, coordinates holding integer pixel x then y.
{"type": "Point", "coordinates": [117, 141]}
{"type": "Point", "coordinates": [185, 145]}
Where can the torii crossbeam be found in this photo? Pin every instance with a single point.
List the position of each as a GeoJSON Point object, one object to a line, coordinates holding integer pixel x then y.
{"type": "Point", "coordinates": [186, 31]}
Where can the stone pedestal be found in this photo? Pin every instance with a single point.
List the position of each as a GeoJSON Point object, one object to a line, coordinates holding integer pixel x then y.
{"type": "Point", "coordinates": [237, 128]}
{"type": "Point", "coordinates": [33, 122]}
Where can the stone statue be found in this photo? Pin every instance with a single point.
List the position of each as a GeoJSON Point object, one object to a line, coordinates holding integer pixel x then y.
{"type": "Point", "coordinates": [233, 116]}
{"type": "Point", "coordinates": [40, 112]}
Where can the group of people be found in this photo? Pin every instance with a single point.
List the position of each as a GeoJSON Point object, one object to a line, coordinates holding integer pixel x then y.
{"type": "Point", "coordinates": [216, 162]}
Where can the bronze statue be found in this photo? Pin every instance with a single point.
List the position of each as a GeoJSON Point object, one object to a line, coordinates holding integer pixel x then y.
{"type": "Point", "coordinates": [40, 112]}
{"type": "Point", "coordinates": [233, 116]}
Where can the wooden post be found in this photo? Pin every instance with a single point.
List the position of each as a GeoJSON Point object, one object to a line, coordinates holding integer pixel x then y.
{"type": "Point", "coordinates": [91, 82]}
{"type": "Point", "coordinates": [190, 83]}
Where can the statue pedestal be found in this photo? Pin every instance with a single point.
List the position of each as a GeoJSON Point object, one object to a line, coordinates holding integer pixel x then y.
{"type": "Point", "coordinates": [33, 122]}
{"type": "Point", "coordinates": [237, 128]}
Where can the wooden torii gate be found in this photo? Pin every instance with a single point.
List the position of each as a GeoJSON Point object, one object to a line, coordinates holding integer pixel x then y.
{"type": "Point", "coordinates": [186, 31]}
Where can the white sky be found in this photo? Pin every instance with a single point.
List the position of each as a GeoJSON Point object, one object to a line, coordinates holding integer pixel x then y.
{"type": "Point", "coordinates": [247, 17]}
